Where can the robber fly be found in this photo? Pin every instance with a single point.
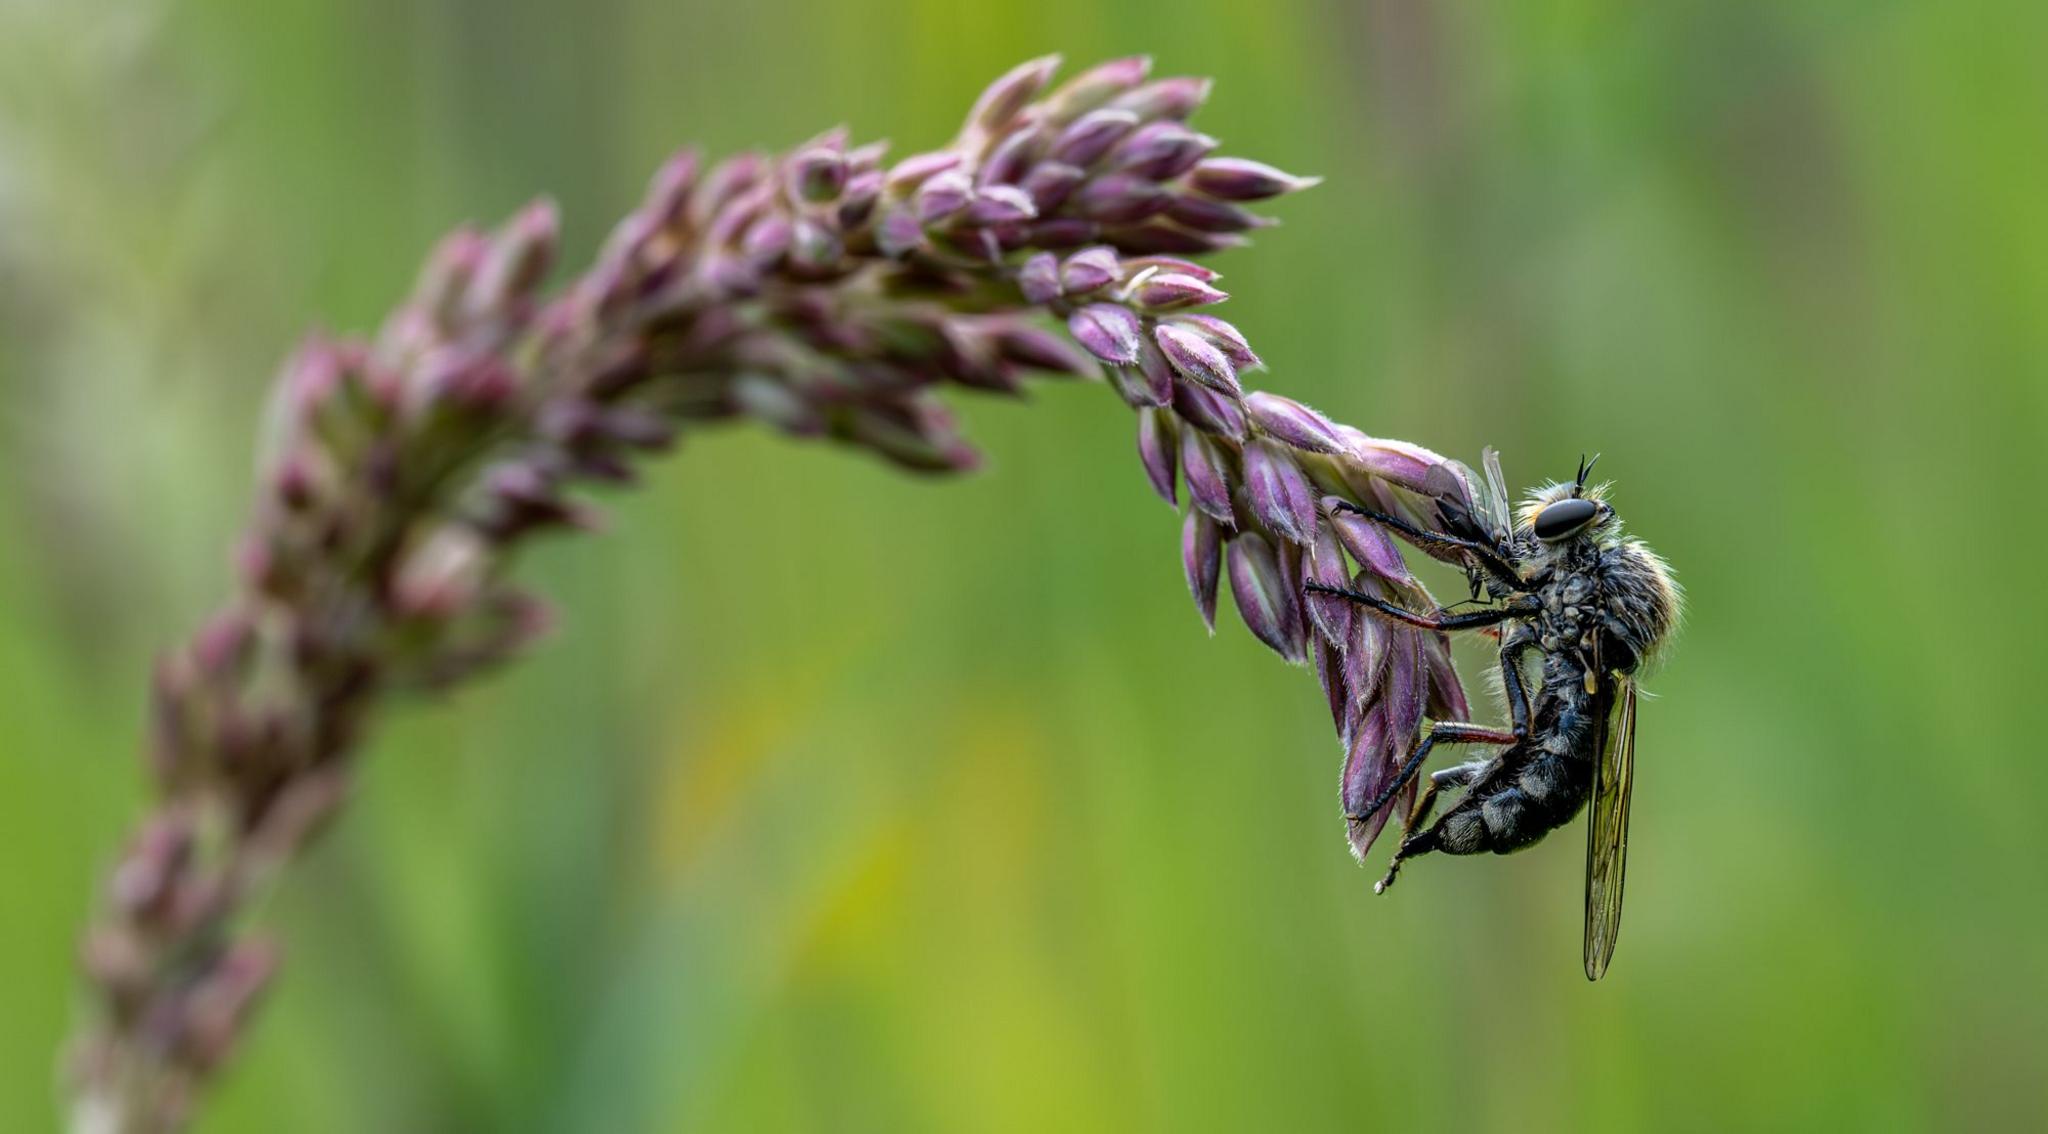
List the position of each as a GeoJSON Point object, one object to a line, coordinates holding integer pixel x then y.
{"type": "Point", "coordinates": [1593, 606]}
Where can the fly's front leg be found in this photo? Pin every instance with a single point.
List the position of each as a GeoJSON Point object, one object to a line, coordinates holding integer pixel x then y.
{"type": "Point", "coordinates": [1471, 620]}
{"type": "Point", "coordinates": [1443, 545]}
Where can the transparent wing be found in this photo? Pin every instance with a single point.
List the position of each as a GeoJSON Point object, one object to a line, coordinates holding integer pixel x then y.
{"type": "Point", "coordinates": [1497, 493]}
{"type": "Point", "coordinates": [1607, 830]}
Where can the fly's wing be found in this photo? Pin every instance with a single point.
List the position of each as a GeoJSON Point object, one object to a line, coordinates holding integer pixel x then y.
{"type": "Point", "coordinates": [1497, 494]}
{"type": "Point", "coordinates": [1607, 829]}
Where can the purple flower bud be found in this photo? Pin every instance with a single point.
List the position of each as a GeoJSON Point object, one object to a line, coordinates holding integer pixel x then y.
{"type": "Point", "coordinates": [1119, 198]}
{"type": "Point", "coordinates": [1201, 557]}
{"type": "Point", "coordinates": [1330, 675]}
{"type": "Point", "coordinates": [1206, 214]}
{"type": "Point", "coordinates": [1156, 236]}
{"type": "Point", "coordinates": [1095, 86]}
{"type": "Point", "coordinates": [1325, 564]}
{"type": "Point", "coordinates": [1039, 278]}
{"type": "Point", "coordinates": [942, 197]}
{"type": "Point", "coordinates": [1167, 291]}
{"type": "Point", "coordinates": [1370, 761]}
{"type": "Point", "coordinates": [1280, 495]}
{"type": "Point", "coordinates": [767, 239]}
{"type": "Point", "coordinates": [1397, 461]}
{"type": "Point", "coordinates": [916, 169]}
{"type": "Point", "coordinates": [1044, 350]}
{"type": "Point", "coordinates": [1226, 338]}
{"type": "Point", "coordinates": [1050, 183]}
{"type": "Point", "coordinates": [1207, 470]}
{"type": "Point", "coordinates": [448, 271]}
{"type": "Point", "coordinates": [1089, 270]}
{"type": "Point", "coordinates": [1091, 136]}
{"type": "Point", "coordinates": [1006, 96]}
{"type": "Point", "coordinates": [1161, 151]}
{"type": "Point", "coordinates": [1001, 204]}
{"type": "Point", "coordinates": [1367, 542]}
{"type": "Point", "coordinates": [815, 176]}
{"type": "Point", "coordinates": [1136, 390]}
{"type": "Point", "coordinates": [1158, 448]}
{"type": "Point", "coordinates": [1006, 164]}
{"type": "Point", "coordinates": [899, 233]}
{"type": "Point", "coordinates": [1206, 409]}
{"type": "Point", "coordinates": [1366, 657]}
{"type": "Point", "coordinates": [1446, 693]}
{"type": "Point", "coordinates": [1167, 98]}
{"type": "Point", "coordinates": [518, 259]}
{"type": "Point", "coordinates": [857, 203]}
{"type": "Point", "coordinates": [1238, 179]}
{"type": "Point", "coordinates": [668, 191]}
{"type": "Point", "coordinates": [1265, 596]}
{"type": "Point", "coordinates": [1292, 423]}
{"type": "Point", "coordinates": [1108, 331]}
{"type": "Point", "coordinates": [1203, 272]}
{"type": "Point", "coordinates": [1197, 359]}
{"type": "Point", "coordinates": [1061, 232]}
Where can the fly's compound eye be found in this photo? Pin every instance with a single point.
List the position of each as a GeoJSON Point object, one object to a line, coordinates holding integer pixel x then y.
{"type": "Point", "coordinates": [1565, 519]}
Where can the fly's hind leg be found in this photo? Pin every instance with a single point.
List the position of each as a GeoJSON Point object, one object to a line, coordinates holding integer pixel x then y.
{"type": "Point", "coordinates": [1416, 839]}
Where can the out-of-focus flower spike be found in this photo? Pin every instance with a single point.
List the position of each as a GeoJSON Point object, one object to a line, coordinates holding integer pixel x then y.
{"type": "Point", "coordinates": [1095, 86]}
{"type": "Point", "coordinates": [1175, 98]}
{"type": "Point", "coordinates": [1159, 449]}
{"type": "Point", "coordinates": [1265, 595]}
{"type": "Point", "coordinates": [1197, 359]}
{"type": "Point", "coordinates": [1280, 495]}
{"type": "Point", "coordinates": [1240, 179]}
{"type": "Point", "coordinates": [1108, 331]}
{"type": "Point", "coordinates": [1288, 421]}
{"type": "Point", "coordinates": [1201, 557]}
{"type": "Point", "coordinates": [857, 203]}
{"type": "Point", "coordinates": [1207, 470]}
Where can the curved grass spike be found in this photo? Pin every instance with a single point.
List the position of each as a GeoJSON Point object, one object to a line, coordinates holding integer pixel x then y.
{"type": "Point", "coordinates": [826, 292]}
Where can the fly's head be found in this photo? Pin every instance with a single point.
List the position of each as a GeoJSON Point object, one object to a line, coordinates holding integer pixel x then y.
{"type": "Point", "coordinates": [1561, 519]}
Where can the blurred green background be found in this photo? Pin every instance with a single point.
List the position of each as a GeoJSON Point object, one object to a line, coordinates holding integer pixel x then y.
{"type": "Point", "coordinates": [848, 802]}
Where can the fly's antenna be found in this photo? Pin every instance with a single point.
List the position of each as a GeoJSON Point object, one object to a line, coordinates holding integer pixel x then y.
{"type": "Point", "coordinates": [1585, 470]}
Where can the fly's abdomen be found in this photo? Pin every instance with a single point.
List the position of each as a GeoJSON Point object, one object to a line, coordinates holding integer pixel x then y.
{"type": "Point", "coordinates": [1541, 793]}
